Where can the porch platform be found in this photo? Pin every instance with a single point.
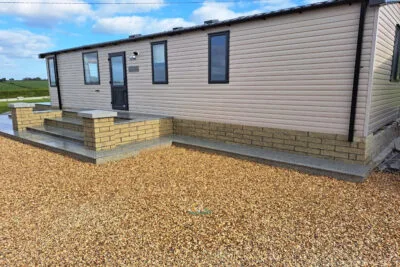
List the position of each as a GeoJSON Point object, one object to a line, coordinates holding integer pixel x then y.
{"type": "Point", "coordinates": [74, 149]}
{"type": "Point", "coordinates": [331, 168]}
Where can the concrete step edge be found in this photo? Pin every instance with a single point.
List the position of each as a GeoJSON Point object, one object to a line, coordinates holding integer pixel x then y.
{"type": "Point", "coordinates": [64, 135]}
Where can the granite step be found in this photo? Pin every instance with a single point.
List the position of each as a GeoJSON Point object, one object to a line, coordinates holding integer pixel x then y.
{"type": "Point", "coordinates": [58, 132]}
{"type": "Point", "coordinates": [73, 124]}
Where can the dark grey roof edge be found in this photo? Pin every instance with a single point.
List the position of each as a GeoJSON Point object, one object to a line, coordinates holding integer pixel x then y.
{"type": "Point", "coordinates": [229, 22]}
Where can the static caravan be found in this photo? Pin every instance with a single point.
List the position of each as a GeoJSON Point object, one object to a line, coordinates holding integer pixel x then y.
{"type": "Point", "coordinates": [320, 80]}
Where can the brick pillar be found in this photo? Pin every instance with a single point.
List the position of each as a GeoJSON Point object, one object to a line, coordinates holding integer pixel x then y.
{"type": "Point", "coordinates": [23, 115]}
{"type": "Point", "coordinates": [98, 128]}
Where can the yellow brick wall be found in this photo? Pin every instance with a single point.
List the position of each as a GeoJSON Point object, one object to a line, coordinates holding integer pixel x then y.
{"type": "Point", "coordinates": [103, 134]}
{"type": "Point", "coordinates": [322, 145]}
{"type": "Point", "coordinates": [142, 131]}
{"type": "Point", "coordinates": [98, 133]}
{"type": "Point", "coordinates": [25, 117]}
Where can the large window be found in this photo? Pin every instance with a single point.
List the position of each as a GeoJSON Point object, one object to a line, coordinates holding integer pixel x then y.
{"type": "Point", "coordinates": [218, 57]}
{"type": "Point", "coordinates": [159, 62]}
{"type": "Point", "coordinates": [51, 66]}
{"type": "Point", "coordinates": [396, 56]}
{"type": "Point", "coordinates": [91, 68]}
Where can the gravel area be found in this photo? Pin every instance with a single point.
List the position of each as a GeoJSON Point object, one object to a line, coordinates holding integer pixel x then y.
{"type": "Point", "coordinates": [177, 206]}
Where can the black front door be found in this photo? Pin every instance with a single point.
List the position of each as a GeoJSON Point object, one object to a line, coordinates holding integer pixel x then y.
{"type": "Point", "coordinates": [119, 89]}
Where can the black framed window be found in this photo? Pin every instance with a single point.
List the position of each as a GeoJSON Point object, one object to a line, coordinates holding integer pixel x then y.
{"type": "Point", "coordinates": [218, 57]}
{"type": "Point", "coordinates": [396, 57]}
{"type": "Point", "coordinates": [91, 67]}
{"type": "Point", "coordinates": [159, 63]}
{"type": "Point", "coordinates": [51, 67]}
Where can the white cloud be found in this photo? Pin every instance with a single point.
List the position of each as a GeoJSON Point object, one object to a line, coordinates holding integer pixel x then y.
{"type": "Point", "coordinates": [208, 10]}
{"type": "Point", "coordinates": [6, 62]}
{"type": "Point", "coordinates": [22, 44]}
{"type": "Point", "coordinates": [19, 51]}
{"type": "Point", "coordinates": [214, 10]}
{"type": "Point", "coordinates": [312, 1]}
{"type": "Point", "coordinates": [105, 16]}
{"type": "Point", "coordinates": [271, 5]}
{"type": "Point", "coordinates": [48, 15]}
{"type": "Point", "coordinates": [135, 6]}
{"type": "Point", "coordinates": [223, 11]}
{"type": "Point", "coordinates": [137, 24]}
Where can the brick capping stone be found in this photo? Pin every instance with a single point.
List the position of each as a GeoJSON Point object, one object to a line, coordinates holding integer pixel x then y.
{"type": "Point", "coordinates": [21, 105]}
{"type": "Point", "coordinates": [97, 114]}
{"type": "Point", "coordinates": [23, 115]}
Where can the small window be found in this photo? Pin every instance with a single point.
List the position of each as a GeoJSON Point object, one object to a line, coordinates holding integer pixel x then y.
{"type": "Point", "coordinates": [51, 66]}
{"type": "Point", "coordinates": [159, 62]}
{"type": "Point", "coordinates": [91, 68]}
{"type": "Point", "coordinates": [396, 57]}
{"type": "Point", "coordinates": [218, 57]}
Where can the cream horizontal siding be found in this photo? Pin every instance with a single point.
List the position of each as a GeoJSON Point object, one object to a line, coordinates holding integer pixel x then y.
{"type": "Point", "coordinates": [74, 92]}
{"type": "Point", "coordinates": [290, 72]}
{"type": "Point", "coordinates": [385, 99]}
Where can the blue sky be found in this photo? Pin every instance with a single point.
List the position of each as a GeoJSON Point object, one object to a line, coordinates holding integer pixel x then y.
{"type": "Point", "coordinates": [29, 29]}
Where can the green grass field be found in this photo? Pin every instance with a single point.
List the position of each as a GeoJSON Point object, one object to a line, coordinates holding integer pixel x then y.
{"type": "Point", "coordinates": [11, 89]}
{"type": "Point", "coordinates": [4, 105]}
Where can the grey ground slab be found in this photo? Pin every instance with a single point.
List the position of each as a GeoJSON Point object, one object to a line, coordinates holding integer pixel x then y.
{"type": "Point", "coordinates": [335, 169]}
{"type": "Point", "coordinates": [5, 123]}
{"type": "Point", "coordinates": [58, 132]}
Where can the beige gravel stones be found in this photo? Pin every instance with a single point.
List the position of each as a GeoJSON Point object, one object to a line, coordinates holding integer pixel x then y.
{"type": "Point", "coordinates": [177, 206]}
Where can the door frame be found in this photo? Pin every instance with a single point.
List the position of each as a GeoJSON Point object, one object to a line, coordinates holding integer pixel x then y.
{"type": "Point", "coordinates": [110, 55]}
